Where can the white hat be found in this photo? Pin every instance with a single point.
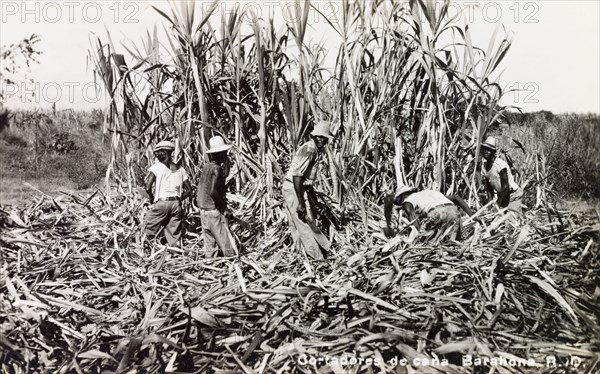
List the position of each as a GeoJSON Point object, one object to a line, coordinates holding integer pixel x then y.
{"type": "Point", "coordinates": [217, 144]}
{"type": "Point", "coordinates": [322, 129]}
{"type": "Point", "coordinates": [165, 144]}
{"type": "Point", "coordinates": [490, 143]}
{"type": "Point", "coordinates": [404, 189]}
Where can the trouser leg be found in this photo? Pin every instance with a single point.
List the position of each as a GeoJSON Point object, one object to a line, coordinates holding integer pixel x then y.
{"type": "Point", "coordinates": [156, 218]}
{"type": "Point", "coordinates": [210, 243]}
{"type": "Point", "coordinates": [300, 229]}
{"type": "Point", "coordinates": [515, 209]}
{"type": "Point", "coordinates": [217, 236]}
{"type": "Point", "coordinates": [222, 234]}
{"type": "Point", "coordinates": [174, 227]}
{"type": "Point", "coordinates": [446, 219]}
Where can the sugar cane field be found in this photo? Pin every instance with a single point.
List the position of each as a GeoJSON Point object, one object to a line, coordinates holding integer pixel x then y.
{"type": "Point", "coordinates": [443, 231]}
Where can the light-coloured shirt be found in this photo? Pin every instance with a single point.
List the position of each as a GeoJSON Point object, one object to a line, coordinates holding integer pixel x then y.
{"type": "Point", "coordinates": [168, 183]}
{"type": "Point", "coordinates": [493, 175]}
{"type": "Point", "coordinates": [424, 201]}
{"type": "Point", "coordinates": [304, 161]}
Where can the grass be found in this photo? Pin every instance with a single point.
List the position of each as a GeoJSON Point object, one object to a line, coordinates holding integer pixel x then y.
{"type": "Point", "coordinates": [561, 153]}
{"type": "Point", "coordinates": [16, 173]}
{"type": "Point", "coordinates": [16, 190]}
{"type": "Point", "coordinates": [53, 152]}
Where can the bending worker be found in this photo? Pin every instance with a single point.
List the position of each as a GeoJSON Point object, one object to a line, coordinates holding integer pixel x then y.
{"type": "Point", "coordinates": [439, 210]}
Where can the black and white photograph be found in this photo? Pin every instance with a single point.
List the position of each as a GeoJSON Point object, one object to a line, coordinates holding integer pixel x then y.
{"type": "Point", "coordinates": [300, 186]}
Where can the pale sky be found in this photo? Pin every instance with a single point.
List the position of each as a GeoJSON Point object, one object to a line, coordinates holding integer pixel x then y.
{"type": "Point", "coordinates": [554, 59]}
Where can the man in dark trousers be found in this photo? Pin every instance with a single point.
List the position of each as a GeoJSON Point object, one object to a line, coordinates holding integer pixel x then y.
{"type": "Point", "coordinates": [212, 200]}
{"type": "Point", "coordinates": [167, 185]}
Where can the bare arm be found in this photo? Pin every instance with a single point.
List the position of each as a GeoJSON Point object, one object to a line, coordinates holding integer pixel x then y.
{"type": "Point", "coordinates": [461, 204]}
{"type": "Point", "coordinates": [388, 205]}
{"type": "Point", "coordinates": [412, 216]}
{"type": "Point", "coordinates": [299, 189]}
{"type": "Point", "coordinates": [150, 179]}
{"type": "Point", "coordinates": [504, 193]}
{"type": "Point", "coordinates": [489, 190]}
{"type": "Point", "coordinates": [312, 199]}
{"type": "Point", "coordinates": [187, 190]}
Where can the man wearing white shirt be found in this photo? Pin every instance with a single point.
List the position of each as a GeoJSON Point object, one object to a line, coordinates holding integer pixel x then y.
{"type": "Point", "coordinates": [168, 185]}
{"type": "Point", "coordinates": [439, 212]}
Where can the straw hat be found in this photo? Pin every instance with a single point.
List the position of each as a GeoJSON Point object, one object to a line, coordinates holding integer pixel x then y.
{"type": "Point", "coordinates": [404, 189]}
{"type": "Point", "coordinates": [322, 129]}
{"type": "Point", "coordinates": [217, 144]}
{"type": "Point", "coordinates": [166, 145]}
{"type": "Point", "coordinates": [490, 143]}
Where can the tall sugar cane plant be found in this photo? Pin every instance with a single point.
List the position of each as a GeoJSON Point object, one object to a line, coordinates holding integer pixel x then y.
{"type": "Point", "coordinates": [412, 88]}
{"type": "Point", "coordinates": [410, 97]}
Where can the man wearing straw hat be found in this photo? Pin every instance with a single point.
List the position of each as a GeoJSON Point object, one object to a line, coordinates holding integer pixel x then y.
{"type": "Point", "coordinates": [167, 185]}
{"type": "Point", "coordinates": [212, 200]}
{"type": "Point", "coordinates": [499, 179]}
{"type": "Point", "coordinates": [300, 175]}
{"type": "Point", "coordinates": [439, 211]}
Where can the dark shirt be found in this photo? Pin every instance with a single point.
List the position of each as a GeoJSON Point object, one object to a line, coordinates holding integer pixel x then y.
{"type": "Point", "coordinates": [209, 172]}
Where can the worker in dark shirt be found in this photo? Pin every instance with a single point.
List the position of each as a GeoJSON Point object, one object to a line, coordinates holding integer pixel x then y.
{"type": "Point", "coordinates": [212, 200]}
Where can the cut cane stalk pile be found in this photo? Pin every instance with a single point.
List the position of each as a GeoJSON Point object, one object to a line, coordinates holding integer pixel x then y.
{"type": "Point", "coordinates": [79, 295]}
